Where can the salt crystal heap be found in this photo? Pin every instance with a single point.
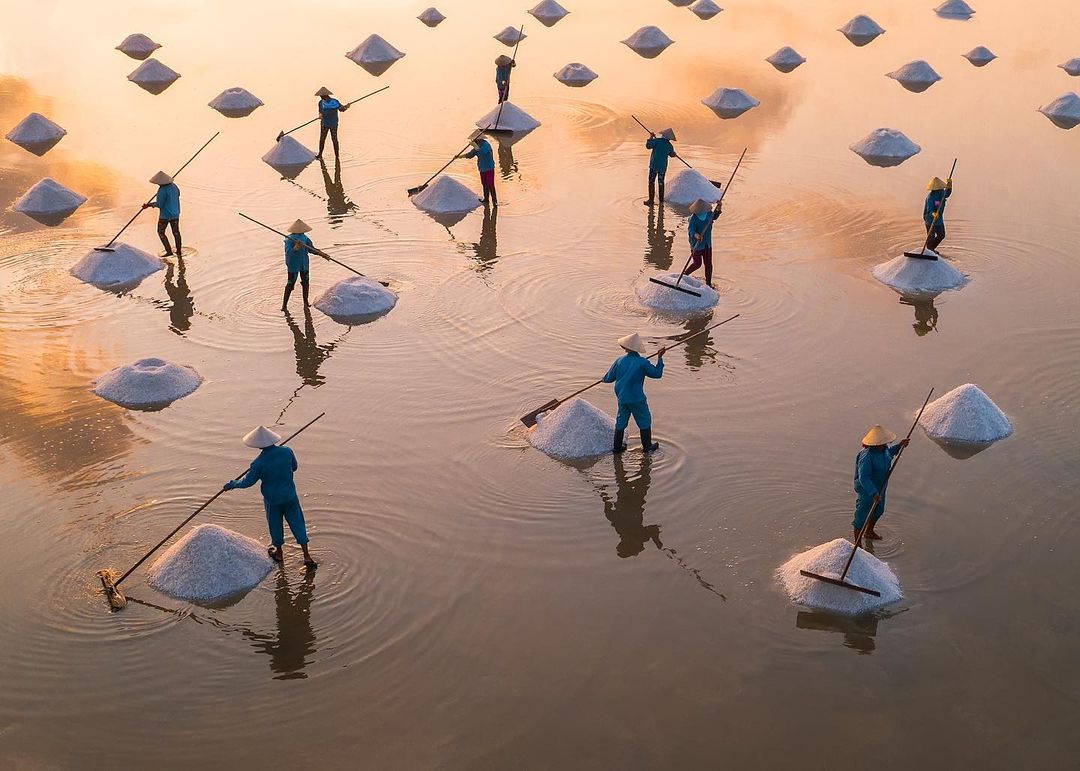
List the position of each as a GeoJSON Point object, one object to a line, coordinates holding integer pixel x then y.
{"type": "Point", "coordinates": [965, 415]}
{"type": "Point", "coordinates": [829, 559]}
{"type": "Point", "coordinates": [705, 9]}
{"type": "Point", "coordinates": [446, 196]}
{"type": "Point", "coordinates": [664, 298]}
{"type": "Point", "coordinates": [980, 56]}
{"type": "Point", "coordinates": [689, 185]}
{"type": "Point", "coordinates": [1063, 112]}
{"type": "Point", "coordinates": [572, 431]}
{"type": "Point", "coordinates": [786, 59]}
{"type": "Point", "coordinates": [575, 75]}
{"type": "Point", "coordinates": [511, 118]}
{"type": "Point", "coordinates": [729, 102]}
{"type": "Point", "coordinates": [648, 42]}
{"type": "Point", "coordinates": [912, 276]}
{"type": "Point", "coordinates": [122, 268]}
{"type": "Point", "coordinates": [916, 76]}
{"type": "Point", "coordinates": [432, 17]}
{"type": "Point", "coordinates": [210, 563]}
{"type": "Point", "coordinates": [375, 55]}
{"type": "Point", "coordinates": [138, 46]}
{"type": "Point", "coordinates": [1072, 66]}
{"type": "Point", "coordinates": [955, 9]}
{"type": "Point", "coordinates": [236, 102]}
{"type": "Point", "coordinates": [862, 30]}
{"type": "Point", "coordinates": [288, 157]}
{"type": "Point", "coordinates": [49, 202]}
{"type": "Point", "coordinates": [356, 300]}
{"type": "Point", "coordinates": [147, 384]}
{"type": "Point", "coordinates": [36, 134]}
{"type": "Point", "coordinates": [510, 36]}
{"type": "Point", "coordinates": [885, 147]}
{"type": "Point", "coordinates": [548, 12]}
{"type": "Point", "coordinates": [153, 76]}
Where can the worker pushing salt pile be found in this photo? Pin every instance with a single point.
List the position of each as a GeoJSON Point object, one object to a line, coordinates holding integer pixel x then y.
{"type": "Point", "coordinates": [510, 36]}
{"type": "Point", "coordinates": [548, 12]}
{"type": "Point", "coordinates": [210, 564]}
{"type": "Point", "coordinates": [375, 55]}
{"type": "Point", "coordinates": [49, 202]}
{"type": "Point", "coordinates": [965, 416]}
{"type": "Point", "coordinates": [729, 103]}
{"type": "Point", "coordinates": [829, 559]}
{"type": "Point", "coordinates": [705, 9]}
{"type": "Point", "coordinates": [786, 59]}
{"type": "Point", "coordinates": [862, 30]}
{"type": "Point", "coordinates": [661, 297]}
{"type": "Point", "coordinates": [980, 56]}
{"type": "Point", "coordinates": [446, 196]}
{"type": "Point", "coordinates": [648, 42]}
{"type": "Point", "coordinates": [148, 384]}
{"type": "Point", "coordinates": [574, 430]}
{"type": "Point", "coordinates": [356, 300]}
{"type": "Point", "coordinates": [121, 268]}
{"type": "Point", "coordinates": [508, 117]}
{"type": "Point", "coordinates": [885, 147]}
{"type": "Point", "coordinates": [955, 9]}
{"type": "Point", "coordinates": [138, 46]}
{"type": "Point", "coordinates": [1063, 112]}
{"type": "Point", "coordinates": [288, 157]}
{"type": "Point", "coordinates": [36, 134]}
{"type": "Point", "coordinates": [432, 17]}
{"type": "Point", "coordinates": [575, 75]}
{"type": "Point", "coordinates": [688, 186]}
{"type": "Point", "coordinates": [916, 76]}
{"type": "Point", "coordinates": [153, 76]}
{"type": "Point", "coordinates": [236, 102]}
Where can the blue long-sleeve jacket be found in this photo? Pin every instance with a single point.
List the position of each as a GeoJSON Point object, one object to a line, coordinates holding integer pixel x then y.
{"type": "Point", "coordinates": [502, 72]}
{"type": "Point", "coordinates": [628, 373]}
{"type": "Point", "coordinates": [274, 467]}
{"type": "Point", "coordinates": [701, 224]}
{"type": "Point", "coordinates": [485, 158]}
{"type": "Point", "coordinates": [934, 199]}
{"type": "Point", "coordinates": [168, 202]}
{"type": "Point", "coordinates": [871, 468]}
{"type": "Point", "coordinates": [662, 149]}
{"type": "Point", "coordinates": [296, 253]}
{"type": "Point", "coordinates": [328, 111]}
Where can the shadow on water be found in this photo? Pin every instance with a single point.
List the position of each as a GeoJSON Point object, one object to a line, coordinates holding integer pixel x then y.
{"type": "Point", "coordinates": [310, 355]}
{"type": "Point", "coordinates": [486, 250]}
{"type": "Point", "coordinates": [182, 306]}
{"type": "Point", "coordinates": [508, 168]}
{"type": "Point", "coordinates": [338, 204]}
{"type": "Point", "coordinates": [926, 314]}
{"type": "Point", "coordinates": [858, 632]}
{"type": "Point", "coordinates": [290, 645]}
{"type": "Point", "coordinates": [659, 240]}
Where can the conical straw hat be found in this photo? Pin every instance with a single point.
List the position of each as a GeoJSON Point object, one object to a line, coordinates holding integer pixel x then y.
{"type": "Point", "coordinates": [324, 91]}
{"type": "Point", "coordinates": [877, 436]}
{"type": "Point", "coordinates": [161, 178]}
{"type": "Point", "coordinates": [299, 227]}
{"type": "Point", "coordinates": [261, 438]}
{"type": "Point", "coordinates": [700, 206]}
{"type": "Point", "coordinates": [633, 343]}
{"type": "Point", "coordinates": [668, 134]}
{"type": "Point", "coordinates": [937, 183]}
{"type": "Point", "coordinates": [503, 59]}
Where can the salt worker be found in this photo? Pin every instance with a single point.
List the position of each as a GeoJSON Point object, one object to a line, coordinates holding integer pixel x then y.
{"type": "Point", "coordinates": [297, 248]}
{"type": "Point", "coordinates": [628, 373]}
{"type": "Point", "coordinates": [329, 107]}
{"type": "Point", "coordinates": [699, 231]}
{"type": "Point", "coordinates": [503, 65]}
{"type": "Point", "coordinates": [167, 202]}
{"type": "Point", "coordinates": [485, 164]}
{"type": "Point", "coordinates": [661, 149]}
{"type": "Point", "coordinates": [871, 472]}
{"type": "Point", "coordinates": [938, 191]}
{"type": "Point", "coordinates": [274, 467]}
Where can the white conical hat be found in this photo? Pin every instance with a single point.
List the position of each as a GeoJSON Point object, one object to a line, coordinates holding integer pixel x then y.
{"type": "Point", "coordinates": [299, 227]}
{"type": "Point", "coordinates": [261, 438]}
{"type": "Point", "coordinates": [668, 134]}
{"type": "Point", "coordinates": [633, 343]}
{"type": "Point", "coordinates": [877, 436]}
{"type": "Point", "coordinates": [700, 206]}
{"type": "Point", "coordinates": [161, 178]}
{"type": "Point", "coordinates": [324, 91]}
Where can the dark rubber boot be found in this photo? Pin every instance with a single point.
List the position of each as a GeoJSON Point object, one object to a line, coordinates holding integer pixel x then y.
{"type": "Point", "coordinates": [661, 192]}
{"type": "Point", "coordinates": [304, 291]}
{"type": "Point", "coordinates": [652, 193]}
{"type": "Point", "coordinates": [620, 445]}
{"type": "Point", "coordinates": [285, 300]}
{"type": "Point", "coordinates": [647, 443]}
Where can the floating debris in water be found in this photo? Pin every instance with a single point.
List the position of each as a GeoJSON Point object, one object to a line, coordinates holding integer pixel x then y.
{"type": "Point", "coordinates": [689, 185]}
{"type": "Point", "coordinates": [916, 76]}
{"type": "Point", "coordinates": [573, 430]}
{"type": "Point", "coordinates": [786, 59]}
{"type": "Point", "coordinates": [375, 55]}
{"type": "Point", "coordinates": [356, 300]}
{"type": "Point", "coordinates": [122, 268]}
{"type": "Point", "coordinates": [829, 559]}
{"type": "Point", "coordinates": [511, 118]}
{"type": "Point", "coordinates": [236, 102]}
{"type": "Point", "coordinates": [1072, 66]}
{"type": "Point", "coordinates": [210, 563]}
{"type": "Point", "coordinates": [729, 102]}
{"type": "Point", "coordinates": [49, 202]}
{"type": "Point", "coordinates": [147, 384]}
{"type": "Point", "coordinates": [153, 76]}
{"type": "Point", "coordinates": [980, 56]}
{"type": "Point", "coordinates": [862, 30]}
{"type": "Point", "coordinates": [575, 75]}
{"type": "Point", "coordinates": [915, 276]}
{"type": "Point", "coordinates": [138, 46]}
{"type": "Point", "coordinates": [885, 147]}
{"type": "Point", "coordinates": [288, 157]}
{"type": "Point", "coordinates": [955, 9]}
{"type": "Point", "coordinates": [664, 298]}
{"type": "Point", "coordinates": [1063, 112]}
{"type": "Point", "coordinates": [648, 42]}
{"type": "Point", "coordinates": [705, 9]}
{"type": "Point", "coordinates": [446, 196]}
{"type": "Point", "coordinates": [36, 134]}
{"type": "Point", "coordinates": [510, 36]}
{"type": "Point", "coordinates": [548, 12]}
{"type": "Point", "coordinates": [965, 415]}
{"type": "Point", "coordinates": [432, 17]}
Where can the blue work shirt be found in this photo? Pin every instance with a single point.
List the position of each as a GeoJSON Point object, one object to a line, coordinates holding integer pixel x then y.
{"type": "Point", "coordinates": [701, 224]}
{"type": "Point", "coordinates": [872, 467]}
{"type": "Point", "coordinates": [662, 149]}
{"type": "Point", "coordinates": [502, 72]}
{"type": "Point", "coordinates": [168, 202]}
{"type": "Point", "coordinates": [628, 373]}
{"type": "Point", "coordinates": [274, 467]}
{"type": "Point", "coordinates": [485, 158]}
{"type": "Point", "coordinates": [328, 111]}
{"type": "Point", "coordinates": [296, 256]}
{"type": "Point", "coordinates": [934, 199]}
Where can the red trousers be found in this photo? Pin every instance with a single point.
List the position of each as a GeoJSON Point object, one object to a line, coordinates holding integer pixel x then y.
{"type": "Point", "coordinates": [699, 257]}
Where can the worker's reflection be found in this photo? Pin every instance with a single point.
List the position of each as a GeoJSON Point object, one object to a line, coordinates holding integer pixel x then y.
{"type": "Point", "coordinates": [659, 241]}
{"type": "Point", "coordinates": [926, 314]}
{"type": "Point", "coordinates": [508, 167]}
{"type": "Point", "coordinates": [699, 349]}
{"type": "Point", "coordinates": [487, 248]}
{"type": "Point", "coordinates": [182, 305]}
{"type": "Point", "coordinates": [294, 640]}
{"type": "Point", "coordinates": [337, 203]}
{"type": "Point", "coordinates": [626, 512]}
{"type": "Point", "coordinates": [309, 354]}
{"type": "Point", "coordinates": [858, 633]}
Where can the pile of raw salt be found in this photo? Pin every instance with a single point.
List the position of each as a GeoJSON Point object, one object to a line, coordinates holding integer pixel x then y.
{"type": "Point", "coordinates": [236, 102]}
{"type": "Point", "coordinates": [355, 300]}
{"type": "Point", "coordinates": [375, 55]}
{"type": "Point", "coordinates": [914, 276]}
{"type": "Point", "coordinates": [147, 383]}
{"type": "Point", "coordinates": [664, 298]}
{"type": "Point", "coordinates": [689, 185]}
{"type": "Point", "coordinates": [36, 133]}
{"type": "Point", "coordinates": [432, 17]}
{"type": "Point", "coordinates": [1063, 112]}
{"type": "Point", "coordinates": [122, 268]}
{"type": "Point", "coordinates": [885, 147]}
{"type": "Point", "coordinates": [575, 75]}
{"type": "Point", "coordinates": [916, 76]}
{"type": "Point", "coordinates": [648, 42]}
{"type": "Point", "coordinates": [786, 59]}
{"type": "Point", "coordinates": [512, 118]}
{"type": "Point", "coordinates": [862, 30]}
{"type": "Point", "coordinates": [49, 202]}
{"type": "Point", "coordinates": [965, 415]}
{"type": "Point", "coordinates": [829, 559]}
{"type": "Point", "coordinates": [729, 102]}
{"type": "Point", "coordinates": [288, 157]}
{"type": "Point", "coordinates": [955, 9]}
{"type": "Point", "coordinates": [980, 56]}
{"type": "Point", "coordinates": [548, 12]}
{"type": "Point", "coordinates": [573, 430]}
{"type": "Point", "coordinates": [446, 196]}
{"type": "Point", "coordinates": [138, 46]}
{"type": "Point", "coordinates": [510, 36]}
{"type": "Point", "coordinates": [153, 76]}
{"type": "Point", "coordinates": [208, 564]}
{"type": "Point", "coordinates": [1072, 67]}
{"type": "Point", "coordinates": [705, 9]}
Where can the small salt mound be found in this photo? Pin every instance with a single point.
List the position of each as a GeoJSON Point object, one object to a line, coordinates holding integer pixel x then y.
{"type": "Point", "coordinates": [730, 102]}
{"type": "Point", "coordinates": [956, 9]}
{"type": "Point", "coordinates": [510, 36]}
{"type": "Point", "coordinates": [153, 76]}
{"type": "Point", "coordinates": [980, 56]}
{"type": "Point", "coordinates": [446, 196]}
{"type": "Point", "coordinates": [786, 59]}
{"type": "Point", "coordinates": [512, 118]}
{"type": "Point", "coordinates": [1063, 112]}
{"type": "Point", "coordinates": [122, 268]}
{"type": "Point", "coordinates": [705, 9]}
{"type": "Point", "coordinates": [862, 30]}
{"type": "Point", "coordinates": [210, 563]}
{"type": "Point", "coordinates": [548, 12]}
{"type": "Point", "coordinates": [575, 75]}
{"type": "Point", "coordinates": [138, 46]}
{"type": "Point", "coordinates": [689, 185]}
{"type": "Point", "coordinates": [432, 17]}
{"type": "Point", "coordinates": [1072, 66]}
{"type": "Point", "coordinates": [36, 133]}
{"type": "Point", "coordinates": [829, 559]}
{"type": "Point", "coordinates": [356, 299]}
{"type": "Point", "coordinates": [375, 55]}
{"type": "Point", "coordinates": [236, 102]}
{"type": "Point", "coordinates": [648, 42]}
{"type": "Point", "coordinates": [49, 202]}
{"type": "Point", "coordinates": [573, 430]}
{"type": "Point", "coordinates": [913, 276]}
{"type": "Point", "coordinates": [965, 415]}
{"type": "Point", "coordinates": [664, 298]}
{"type": "Point", "coordinates": [288, 157]}
{"type": "Point", "coordinates": [885, 147]}
{"type": "Point", "coordinates": [147, 383]}
{"type": "Point", "coordinates": [915, 76]}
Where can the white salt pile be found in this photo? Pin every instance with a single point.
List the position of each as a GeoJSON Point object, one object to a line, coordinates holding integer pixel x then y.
{"type": "Point", "coordinates": [885, 147]}
{"type": "Point", "coordinates": [862, 30]}
{"type": "Point", "coordinates": [729, 102]}
{"type": "Point", "coordinates": [965, 415]}
{"type": "Point", "coordinates": [786, 59]}
{"type": "Point", "coordinates": [122, 268]}
{"type": "Point", "coordinates": [512, 118]}
{"type": "Point", "coordinates": [915, 76]}
{"type": "Point", "coordinates": [510, 36]}
{"type": "Point", "coordinates": [446, 196]}
{"type": "Point", "coordinates": [648, 42]}
{"type": "Point", "coordinates": [236, 102]}
{"type": "Point", "coordinates": [705, 9]}
{"type": "Point", "coordinates": [1072, 66]}
{"type": "Point", "coordinates": [573, 430]}
{"type": "Point", "coordinates": [548, 12]}
{"type": "Point", "coordinates": [1063, 112]}
{"type": "Point", "coordinates": [575, 75]}
{"type": "Point", "coordinates": [432, 17]}
{"type": "Point", "coordinates": [36, 133]}
{"type": "Point", "coordinates": [663, 298]}
{"type": "Point", "coordinates": [375, 55]}
{"type": "Point", "coordinates": [153, 76]}
{"type": "Point", "coordinates": [138, 46]}
{"type": "Point", "coordinates": [829, 559]}
{"type": "Point", "coordinates": [913, 276]}
{"type": "Point", "coordinates": [49, 202]}
{"type": "Point", "coordinates": [980, 56]}
{"type": "Point", "coordinates": [689, 185]}
{"type": "Point", "coordinates": [288, 157]}
{"type": "Point", "coordinates": [147, 383]}
{"type": "Point", "coordinates": [356, 299]}
{"type": "Point", "coordinates": [210, 563]}
{"type": "Point", "coordinates": [955, 9]}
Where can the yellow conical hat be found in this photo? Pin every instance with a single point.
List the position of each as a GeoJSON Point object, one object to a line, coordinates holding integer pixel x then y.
{"type": "Point", "coordinates": [937, 183]}
{"type": "Point", "coordinates": [633, 343]}
{"type": "Point", "coordinates": [877, 436]}
{"type": "Point", "coordinates": [261, 438]}
{"type": "Point", "coordinates": [700, 206]}
{"type": "Point", "coordinates": [161, 178]}
{"type": "Point", "coordinates": [299, 227]}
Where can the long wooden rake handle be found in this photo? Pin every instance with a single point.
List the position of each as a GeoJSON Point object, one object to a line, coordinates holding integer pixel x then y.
{"type": "Point", "coordinates": [317, 117]}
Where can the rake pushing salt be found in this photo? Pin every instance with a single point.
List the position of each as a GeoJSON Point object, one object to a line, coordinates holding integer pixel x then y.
{"type": "Point", "coordinates": [548, 13]}
{"type": "Point", "coordinates": [138, 46]}
{"type": "Point", "coordinates": [916, 76]}
{"type": "Point", "coordinates": [446, 196]}
{"type": "Point", "coordinates": [356, 300]}
{"type": "Point", "coordinates": [153, 76]}
{"type": "Point", "coordinates": [965, 415]}
{"type": "Point", "coordinates": [689, 185]}
{"type": "Point", "coordinates": [913, 276]}
{"type": "Point", "coordinates": [510, 36]}
{"type": "Point", "coordinates": [36, 134]}
{"type": "Point", "coordinates": [862, 30]}
{"type": "Point", "coordinates": [664, 298]}
{"type": "Point", "coordinates": [236, 102]}
{"type": "Point", "coordinates": [208, 564]}
{"type": "Point", "coordinates": [829, 559]}
{"type": "Point", "coordinates": [955, 9]}
{"type": "Point", "coordinates": [786, 59]}
{"type": "Point", "coordinates": [288, 157]}
{"type": "Point", "coordinates": [512, 118]}
{"type": "Point", "coordinates": [648, 42]}
{"type": "Point", "coordinates": [575, 75]}
{"type": "Point", "coordinates": [432, 17]}
{"type": "Point", "coordinates": [49, 202]}
{"type": "Point", "coordinates": [572, 431]}
{"type": "Point", "coordinates": [705, 9]}
{"type": "Point", "coordinates": [729, 102]}
{"type": "Point", "coordinates": [147, 383]}
{"type": "Point", "coordinates": [1072, 67]}
{"type": "Point", "coordinates": [375, 55]}
{"type": "Point", "coordinates": [885, 147]}
{"type": "Point", "coordinates": [122, 268]}
{"type": "Point", "coordinates": [980, 56]}
{"type": "Point", "coordinates": [1063, 112]}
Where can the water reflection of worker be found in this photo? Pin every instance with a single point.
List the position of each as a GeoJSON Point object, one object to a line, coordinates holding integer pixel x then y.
{"type": "Point", "coordinates": [660, 241]}
{"type": "Point", "coordinates": [294, 640]}
{"type": "Point", "coordinates": [487, 248]}
{"type": "Point", "coordinates": [926, 314]}
{"type": "Point", "coordinates": [859, 633]}
{"type": "Point", "coordinates": [507, 165]}
{"type": "Point", "coordinates": [183, 306]}
{"type": "Point", "coordinates": [337, 203]}
{"type": "Point", "coordinates": [626, 512]}
{"type": "Point", "coordinates": [309, 354]}
{"type": "Point", "coordinates": [698, 348]}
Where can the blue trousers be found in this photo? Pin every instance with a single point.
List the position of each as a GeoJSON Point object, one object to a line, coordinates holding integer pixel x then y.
{"type": "Point", "coordinates": [863, 504]}
{"type": "Point", "coordinates": [654, 175]}
{"type": "Point", "coordinates": [641, 414]}
{"type": "Point", "coordinates": [936, 233]}
{"type": "Point", "coordinates": [289, 512]}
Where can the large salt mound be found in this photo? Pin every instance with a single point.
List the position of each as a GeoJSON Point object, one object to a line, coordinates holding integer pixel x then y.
{"type": "Point", "coordinates": [648, 42]}
{"type": "Point", "coordinates": [236, 102]}
{"type": "Point", "coordinates": [829, 559]}
{"type": "Point", "coordinates": [122, 268]}
{"type": "Point", "coordinates": [49, 202]}
{"type": "Point", "coordinates": [955, 9]}
{"type": "Point", "coordinates": [432, 17]}
{"type": "Point", "coordinates": [575, 75]}
{"type": "Point", "coordinates": [885, 147]}
{"type": "Point", "coordinates": [210, 563]}
{"type": "Point", "coordinates": [689, 185]}
{"type": "Point", "coordinates": [138, 46]}
{"type": "Point", "coordinates": [965, 415]}
{"type": "Point", "coordinates": [147, 383]}
{"type": "Point", "coordinates": [288, 157]}
{"type": "Point", "coordinates": [786, 59]}
{"type": "Point", "coordinates": [512, 118]}
{"type": "Point", "coordinates": [446, 196]}
{"type": "Point", "coordinates": [664, 298]}
{"type": "Point", "coordinates": [1072, 66]}
{"type": "Point", "coordinates": [915, 76]}
{"type": "Point", "coordinates": [375, 55]}
{"type": "Point", "coordinates": [1063, 112]}
{"type": "Point", "coordinates": [510, 36]}
{"type": "Point", "coordinates": [862, 30]}
{"type": "Point", "coordinates": [36, 133]}
{"type": "Point", "coordinates": [356, 299]}
{"type": "Point", "coordinates": [548, 12]}
{"type": "Point", "coordinates": [910, 275]}
{"type": "Point", "coordinates": [705, 9]}
{"type": "Point", "coordinates": [980, 56]}
{"type": "Point", "coordinates": [153, 76]}
{"type": "Point", "coordinates": [729, 102]}
{"type": "Point", "coordinates": [573, 430]}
